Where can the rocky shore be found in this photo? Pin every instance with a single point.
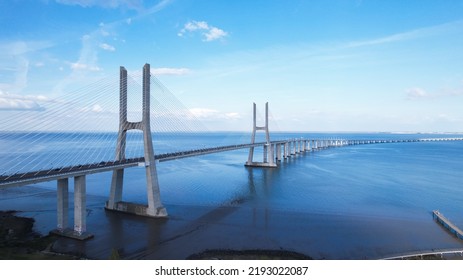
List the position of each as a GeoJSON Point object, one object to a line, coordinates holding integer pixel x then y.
{"type": "Point", "coordinates": [18, 241]}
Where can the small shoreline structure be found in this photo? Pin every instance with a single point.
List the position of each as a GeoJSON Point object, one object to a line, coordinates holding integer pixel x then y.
{"type": "Point", "coordinates": [447, 224]}
{"type": "Point", "coordinates": [437, 254]}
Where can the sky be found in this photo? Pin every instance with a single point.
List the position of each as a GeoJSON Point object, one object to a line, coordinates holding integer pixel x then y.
{"type": "Point", "coordinates": [340, 65]}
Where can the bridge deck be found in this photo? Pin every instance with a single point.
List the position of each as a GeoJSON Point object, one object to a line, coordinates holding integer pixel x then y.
{"type": "Point", "coordinates": [38, 176]}
{"type": "Point", "coordinates": [34, 177]}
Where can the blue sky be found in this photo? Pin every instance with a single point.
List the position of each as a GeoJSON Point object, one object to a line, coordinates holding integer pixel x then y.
{"type": "Point", "coordinates": [341, 65]}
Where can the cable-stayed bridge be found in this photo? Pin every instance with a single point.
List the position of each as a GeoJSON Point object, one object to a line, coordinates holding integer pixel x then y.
{"type": "Point", "coordinates": [27, 159]}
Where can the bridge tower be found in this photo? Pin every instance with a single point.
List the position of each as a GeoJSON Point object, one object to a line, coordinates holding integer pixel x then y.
{"type": "Point", "coordinates": [154, 207]}
{"type": "Point", "coordinates": [268, 156]}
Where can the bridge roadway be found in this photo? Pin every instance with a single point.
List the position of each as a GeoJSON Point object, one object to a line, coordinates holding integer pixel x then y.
{"type": "Point", "coordinates": [21, 179]}
{"type": "Point", "coordinates": [33, 177]}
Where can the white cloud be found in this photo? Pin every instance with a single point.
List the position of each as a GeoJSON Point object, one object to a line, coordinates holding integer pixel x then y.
{"type": "Point", "coordinates": [113, 4]}
{"type": "Point", "coordinates": [15, 63]}
{"type": "Point", "coordinates": [419, 93]}
{"type": "Point", "coordinates": [87, 63]}
{"type": "Point", "coordinates": [416, 93]}
{"type": "Point", "coordinates": [212, 114]}
{"type": "Point", "coordinates": [210, 33]}
{"type": "Point", "coordinates": [214, 34]}
{"type": "Point", "coordinates": [104, 33]}
{"type": "Point", "coordinates": [170, 71]}
{"type": "Point", "coordinates": [107, 47]}
{"type": "Point", "coordinates": [97, 108]}
{"type": "Point", "coordinates": [233, 116]}
{"type": "Point", "coordinates": [84, 67]}
{"type": "Point", "coordinates": [413, 34]}
{"type": "Point", "coordinates": [203, 113]}
{"type": "Point", "coordinates": [17, 102]}
{"type": "Point", "coordinates": [196, 25]}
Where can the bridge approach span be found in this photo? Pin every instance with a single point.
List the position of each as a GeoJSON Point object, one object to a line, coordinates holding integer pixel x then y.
{"type": "Point", "coordinates": [39, 176]}
{"type": "Point", "coordinates": [21, 179]}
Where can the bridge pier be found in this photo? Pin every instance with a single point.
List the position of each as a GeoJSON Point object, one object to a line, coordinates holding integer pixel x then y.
{"type": "Point", "coordinates": [80, 209]}
{"type": "Point", "coordinates": [62, 203]}
{"type": "Point", "coordinates": [285, 150]}
{"type": "Point", "coordinates": [278, 151]}
{"type": "Point", "coordinates": [265, 155]}
{"type": "Point", "coordinates": [80, 204]}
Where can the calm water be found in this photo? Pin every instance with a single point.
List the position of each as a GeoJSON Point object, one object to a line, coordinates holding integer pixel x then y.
{"type": "Point", "coordinates": [398, 180]}
{"type": "Point", "coordinates": [382, 179]}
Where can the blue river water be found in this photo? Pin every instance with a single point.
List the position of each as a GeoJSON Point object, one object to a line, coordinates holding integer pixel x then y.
{"type": "Point", "coordinates": [390, 180]}
{"type": "Point", "coordinates": [380, 179]}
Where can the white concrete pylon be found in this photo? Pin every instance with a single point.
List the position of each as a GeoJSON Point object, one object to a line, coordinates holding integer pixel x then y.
{"type": "Point", "coordinates": [154, 207]}
{"type": "Point", "coordinates": [268, 157]}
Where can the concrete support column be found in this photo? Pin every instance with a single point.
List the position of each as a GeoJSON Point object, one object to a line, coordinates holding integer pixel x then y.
{"type": "Point", "coordinates": [285, 150]}
{"type": "Point", "coordinates": [293, 147]}
{"type": "Point", "coordinates": [278, 148]}
{"type": "Point", "coordinates": [80, 214]}
{"type": "Point", "coordinates": [265, 155]}
{"type": "Point", "coordinates": [298, 145]}
{"type": "Point", "coordinates": [80, 204]}
{"type": "Point", "coordinates": [63, 204]}
{"type": "Point", "coordinates": [271, 155]}
{"type": "Point", "coordinates": [155, 207]}
{"type": "Point", "coordinates": [115, 193]}
{"type": "Point", "coordinates": [304, 144]}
